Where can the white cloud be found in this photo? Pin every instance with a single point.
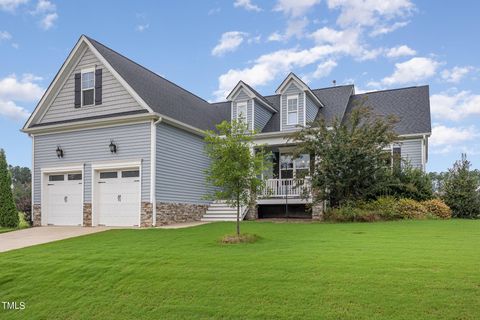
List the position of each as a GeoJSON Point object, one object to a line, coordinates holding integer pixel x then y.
{"type": "Point", "coordinates": [369, 12]}
{"type": "Point", "coordinates": [10, 110]}
{"type": "Point", "coordinates": [142, 27]}
{"type": "Point", "coordinates": [229, 42]}
{"type": "Point", "coordinates": [48, 21]}
{"type": "Point", "coordinates": [265, 68]}
{"type": "Point", "coordinates": [412, 71]}
{"type": "Point", "coordinates": [384, 29]}
{"type": "Point", "coordinates": [295, 8]}
{"type": "Point", "coordinates": [48, 12]}
{"type": "Point", "coordinates": [400, 51]}
{"type": "Point", "coordinates": [455, 106]}
{"type": "Point", "coordinates": [44, 6]}
{"type": "Point", "coordinates": [247, 5]}
{"type": "Point", "coordinates": [452, 139]}
{"type": "Point", "coordinates": [25, 89]}
{"type": "Point", "coordinates": [323, 70]}
{"type": "Point", "coordinates": [214, 11]}
{"type": "Point", "coordinates": [11, 5]}
{"type": "Point", "coordinates": [295, 27]}
{"type": "Point", "coordinates": [5, 35]}
{"type": "Point", "coordinates": [456, 74]}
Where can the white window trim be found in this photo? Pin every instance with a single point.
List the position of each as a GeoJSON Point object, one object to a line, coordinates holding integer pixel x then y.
{"type": "Point", "coordinates": [242, 104]}
{"type": "Point", "coordinates": [87, 70]}
{"type": "Point", "coordinates": [291, 97]}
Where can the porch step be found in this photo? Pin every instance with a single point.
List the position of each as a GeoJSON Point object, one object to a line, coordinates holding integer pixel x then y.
{"type": "Point", "coordinates": [221, 211]}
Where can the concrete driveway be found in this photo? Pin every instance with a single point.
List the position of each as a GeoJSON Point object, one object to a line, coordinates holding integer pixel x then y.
{"type": "Point", "coordinates": [33, 236]}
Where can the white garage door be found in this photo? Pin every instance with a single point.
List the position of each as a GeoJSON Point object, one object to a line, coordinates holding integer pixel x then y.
{"type": "Point", "coordinates": [64, 199]}
{"type": "Point", "coordinates": [118, 202]}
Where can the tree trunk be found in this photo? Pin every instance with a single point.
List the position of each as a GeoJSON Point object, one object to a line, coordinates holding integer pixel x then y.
{"type": "Point", "coordinates": [238, 215]}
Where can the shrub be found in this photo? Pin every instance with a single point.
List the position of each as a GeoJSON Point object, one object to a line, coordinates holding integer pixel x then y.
{"type": "Point", "coordinates": [350, 213]}
{"type": "Point", "coordinates": [8, 211]}
{"type": "Point", "coordinates": [384, 207]}
{"type": "Point", "coordinates": [438, 208]}
{"type": "Point", "coordinates": [460, 190]}
{"type": "Point", "coordinates": [411, 209]}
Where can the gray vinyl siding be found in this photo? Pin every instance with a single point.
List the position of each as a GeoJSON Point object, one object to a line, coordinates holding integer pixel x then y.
{"type": "Point", "coordinates": [292, 89]}
{"type": "Point", "coordinates": [181, 164]}
{"type": "Point", "coordinates": [311, 111]}
{"type": "Point", "coordinates": [242, 97]}
{"type": "Point", "coordinates": [412, 152]}
{"type": "Point", "coordinates": [89, 146]}
{"type": "Point", "coordinates": [115, 98]}
{"type": "Point", "coordinates": [261, 117]}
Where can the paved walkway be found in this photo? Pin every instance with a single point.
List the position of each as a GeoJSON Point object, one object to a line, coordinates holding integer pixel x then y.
{"type": "Point", "coordinates": [33, 236]}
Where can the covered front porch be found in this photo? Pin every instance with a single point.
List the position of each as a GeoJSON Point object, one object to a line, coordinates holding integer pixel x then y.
{"type": "Point", "coordinates": [288, 179]}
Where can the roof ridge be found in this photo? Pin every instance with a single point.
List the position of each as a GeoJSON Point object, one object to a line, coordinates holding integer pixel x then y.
{"type": "Point", "coordinates": [146, 69]}
{"type": "Point", "coordinates": [393, 89]}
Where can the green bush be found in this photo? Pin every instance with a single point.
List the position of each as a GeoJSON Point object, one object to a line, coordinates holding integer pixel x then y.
{"type": "Point", "coordinates": [8, 211]}
{"type": "Point", "coordinates": [384, 207]}
{"type": "Point", "coordinates": [437, 208]}
{"type": "Point", "coordinates": [350, 213]}
{"type": "Point", "coordinates": [411, 209]}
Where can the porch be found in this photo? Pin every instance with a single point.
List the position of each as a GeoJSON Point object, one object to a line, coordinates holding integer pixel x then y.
{"type": "Point", "coordinates": [288, 180]}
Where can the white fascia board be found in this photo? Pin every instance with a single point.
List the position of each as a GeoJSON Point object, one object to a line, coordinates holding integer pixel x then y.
{"type": "Point", "coordinates": [86, 124]}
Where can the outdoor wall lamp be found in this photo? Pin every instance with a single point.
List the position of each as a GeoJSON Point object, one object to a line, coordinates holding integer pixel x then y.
{"type": "Point", "coordinates": [59, 152]}
{"type": "Point", "coordinates": [113, 147]}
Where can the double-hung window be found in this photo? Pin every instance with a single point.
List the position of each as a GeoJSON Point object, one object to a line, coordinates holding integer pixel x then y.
{"type": "Point", "coordinates": [88, 87]}
{"type": "Point", "coordinates": [242, 112]}
{"type": "Point", "coordinates": [292, 110]}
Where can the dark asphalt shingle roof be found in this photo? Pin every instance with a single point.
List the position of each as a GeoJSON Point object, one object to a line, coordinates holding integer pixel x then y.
{"type": "Point", "coordinates": [410, 105]}
{"type": "Point", "coordinates": [160, 94]}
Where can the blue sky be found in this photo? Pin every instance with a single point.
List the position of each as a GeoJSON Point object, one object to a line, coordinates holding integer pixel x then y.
{"type": "Point", "coordinates": [207, 46]}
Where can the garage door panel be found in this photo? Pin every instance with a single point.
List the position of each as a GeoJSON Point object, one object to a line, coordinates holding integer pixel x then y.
{"type": "Point", "coordinates": [118, 200]}
{"type": "Point", "coordinates": [64, 200]}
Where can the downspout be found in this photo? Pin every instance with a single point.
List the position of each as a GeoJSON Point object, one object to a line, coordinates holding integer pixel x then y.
{"type": "Point", "coordinates": [153, 170]}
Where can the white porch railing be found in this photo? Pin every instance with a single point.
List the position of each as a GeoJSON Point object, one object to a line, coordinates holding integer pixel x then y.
{"type": "Point", "coordinates": [279, 188]}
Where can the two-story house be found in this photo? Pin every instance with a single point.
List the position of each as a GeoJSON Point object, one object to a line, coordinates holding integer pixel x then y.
{"type": "Point", "coordinates": [116, 144]}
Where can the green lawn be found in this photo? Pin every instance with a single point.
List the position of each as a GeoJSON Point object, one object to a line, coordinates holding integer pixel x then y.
{"type": "Point", "coordinates": [392, 270]}
{"type": "Point", "coordinates": [2, 230]}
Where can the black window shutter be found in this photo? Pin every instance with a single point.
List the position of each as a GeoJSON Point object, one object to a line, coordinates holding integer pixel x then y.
{"type": "Point", "coordinates": [78, 89]}
{"type": "Point", "coordinates": [98, 86]}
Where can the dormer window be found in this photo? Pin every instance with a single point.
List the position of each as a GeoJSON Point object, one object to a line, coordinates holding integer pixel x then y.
{"type": "Point", "coordinates": [292, 110]}
{"type": "Point", "coordinates": [242, 112]}
{"type": "Point", "coordinates": [88, 87]}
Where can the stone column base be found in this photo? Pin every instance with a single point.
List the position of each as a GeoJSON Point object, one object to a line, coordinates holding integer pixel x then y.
{"type": "Point", "coordinates": [36, 215]}
{"type": "Point", "coordinates": [146, 216]}
{"type": "Point", "coordinates": [317, 211]}
{"type": "Point", "coordinates": [252, 213]}
{"type": "Point", "coordinates": [87, 214]}
{"type": "Point", "coordinates": [169, 213]}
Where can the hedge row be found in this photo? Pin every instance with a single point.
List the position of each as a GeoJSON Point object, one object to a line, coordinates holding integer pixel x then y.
{"type": "Point", "coordinates": [389, 208]}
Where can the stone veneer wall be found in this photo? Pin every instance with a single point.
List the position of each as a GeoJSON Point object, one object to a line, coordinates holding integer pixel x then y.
{"type": "Point", "coordinates": [87, 214]}
{"type": "Point", "coordinates": [37, 215]}
{"type": "Point", "coordinates": [317, 211]}
{"type": "Point", "coordinates": [169, 213]}
{"type": "Point", "coordinates": [146, 216]}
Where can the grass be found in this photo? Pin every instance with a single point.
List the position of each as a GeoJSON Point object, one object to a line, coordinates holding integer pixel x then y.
{"type": "Point", "coordinates": [21, 225]}
{"type": "Point", "coordinates": [387, 270]}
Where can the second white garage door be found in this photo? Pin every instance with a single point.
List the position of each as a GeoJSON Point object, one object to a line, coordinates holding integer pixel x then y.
{"type": "Point", "coordinates": [118, 202]}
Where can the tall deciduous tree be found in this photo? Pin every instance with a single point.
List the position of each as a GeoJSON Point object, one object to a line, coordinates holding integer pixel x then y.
{"type": "Point", "coordinates": [235, 170]}
{"type": "Point", "coordinates": [350, 156]}
{"type": "Point", "coordinates": [22, 189]}
{"type": "Point", "coordinates": [460, 190]}
{"type": "Point", "coordinates": [8, 212]}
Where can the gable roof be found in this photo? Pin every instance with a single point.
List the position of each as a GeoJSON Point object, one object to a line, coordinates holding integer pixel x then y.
{"type": "Point", "coordinates": [252, 93]}
{"type": "Point", "coordinates": [304, 87]}
{"type": "Point", "coordinates": [162, 95]}
{"type": "Point", "coordinates": [410, 105]}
